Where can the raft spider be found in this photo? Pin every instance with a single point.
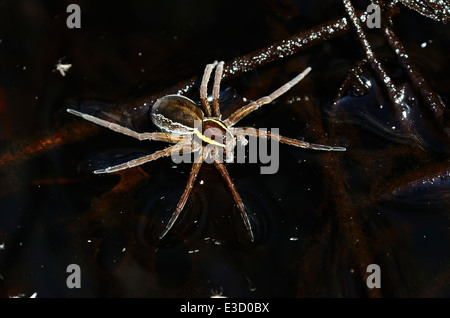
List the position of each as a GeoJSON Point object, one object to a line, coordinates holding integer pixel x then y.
{"type": "Point", "coordinates": [176, 115]}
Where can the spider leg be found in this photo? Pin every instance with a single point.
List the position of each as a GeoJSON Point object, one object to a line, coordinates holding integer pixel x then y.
{"type": "Point", "coordinates": [243, 131]}
{"type": "Point", "coordinates": [187, 191]}
{"type": "Point", "coordinates": [247, 109]}
{"type": "Point", "coordinates": [159, 136]}
{"type": "Point", "coordinates": [216, 90]}
{"type": "Point", "coordinates": [204, 89]}
{"type": "Point", "coordinates": [144, 159]}
{"type": "Point", "coordinates": [237, 198]}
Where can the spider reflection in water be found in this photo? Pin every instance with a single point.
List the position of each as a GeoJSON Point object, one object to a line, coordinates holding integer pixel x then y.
{"type": "Point", "coordinates": [177, 117]}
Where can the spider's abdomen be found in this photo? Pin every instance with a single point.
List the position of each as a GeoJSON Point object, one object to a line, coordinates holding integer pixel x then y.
{"type": "Point", "coordinates": [176, 114]}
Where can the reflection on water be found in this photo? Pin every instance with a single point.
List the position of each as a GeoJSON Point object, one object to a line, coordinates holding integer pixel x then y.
{"type": "Point", "coordinates": [362, 98]}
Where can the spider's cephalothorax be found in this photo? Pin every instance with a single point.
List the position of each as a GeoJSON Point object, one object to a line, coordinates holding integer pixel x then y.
{"type": "Point", "coordinates": [215, 132]}
{"type": "Point", "coordinates": [202, 131]}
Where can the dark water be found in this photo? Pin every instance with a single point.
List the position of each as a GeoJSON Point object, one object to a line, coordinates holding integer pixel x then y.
{"type": "Point", "coordinates": [319, 221]}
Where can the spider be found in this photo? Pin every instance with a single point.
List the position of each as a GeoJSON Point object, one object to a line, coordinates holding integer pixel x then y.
{"type": "Point", "coordinates": [176, 116]}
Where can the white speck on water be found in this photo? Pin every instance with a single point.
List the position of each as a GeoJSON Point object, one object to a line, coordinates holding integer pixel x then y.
{"type": "Point", "coordinates": [63, 68]}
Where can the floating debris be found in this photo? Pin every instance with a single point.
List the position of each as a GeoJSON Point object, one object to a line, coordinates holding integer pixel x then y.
{"type": "Point", "coordinates": [63, 68]}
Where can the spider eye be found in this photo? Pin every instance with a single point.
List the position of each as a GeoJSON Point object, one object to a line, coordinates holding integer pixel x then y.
{"type": "Point", "coordinates": [175, 114]}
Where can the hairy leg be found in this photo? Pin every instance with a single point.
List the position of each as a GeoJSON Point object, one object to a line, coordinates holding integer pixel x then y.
{"type": "Point", "coordinates": [249, 131]}
{"type": "Point", "coordinates": [237, 198]}
{"type": "Point", "coordinates": [180, 147]}
{"type": "Point", "coordinates": [247, 109]}
{"type": "Point", "coordinates": [159, 136]}
{"type": "Point", "coordinates": [187, 191]}
{"type": "Point", "coordinates": [204, 89]}
{"type": "Point", "coordinates": [216, 90]}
